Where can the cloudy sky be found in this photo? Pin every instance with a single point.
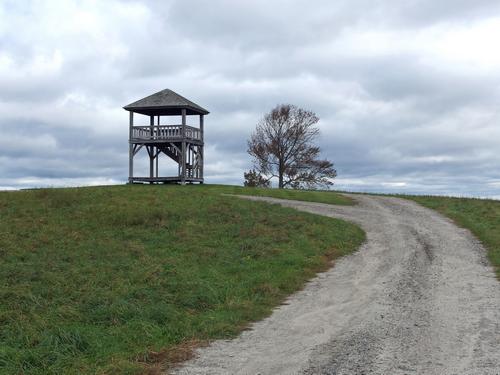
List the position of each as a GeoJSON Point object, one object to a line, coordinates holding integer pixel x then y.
{"type": "Point", "coordinates": [408, 92]}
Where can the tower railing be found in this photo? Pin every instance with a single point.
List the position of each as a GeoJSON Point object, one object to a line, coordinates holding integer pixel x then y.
{"type": "Point", "coordinates": [165, 132]}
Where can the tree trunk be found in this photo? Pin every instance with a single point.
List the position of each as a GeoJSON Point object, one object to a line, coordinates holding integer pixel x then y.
{"type": "Point", "coordinates": [281, 172]}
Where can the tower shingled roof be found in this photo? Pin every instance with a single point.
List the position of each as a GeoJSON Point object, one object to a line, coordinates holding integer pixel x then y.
{"type": "Point", "coordinates": [165, 102]}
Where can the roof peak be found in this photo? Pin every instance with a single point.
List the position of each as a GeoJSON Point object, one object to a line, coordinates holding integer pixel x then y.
{"type": "Point", "coordinates": [165, 102]}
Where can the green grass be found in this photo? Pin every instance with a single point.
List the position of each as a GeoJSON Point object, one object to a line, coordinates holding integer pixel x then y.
{"type": "Point", "coordinates": [480, 216]}
{"type": "Point", "coordinates": [114, 280]}
{"type": "Point", "coordinates": [320, 196]}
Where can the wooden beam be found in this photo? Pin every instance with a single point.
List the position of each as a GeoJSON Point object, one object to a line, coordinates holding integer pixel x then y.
{"type": "Point", "coordinates": [137, 148]}
{"type": "Point", "coordinates": [202, 117]}
{"type": "Point", "coordinates": [156, 157]}
{"type": "Point", "coordinates": [174, 146]}
{"type": "Point", "coordinates": [183, 155]}
{"type": "Point", "coordinates": [201, 156]}
{"type": "Point", "coordinates": [183, 130]}
{"type": "Point", "coordinates": [151, 153]}
{"type": "Point", "coordinates": [131, 148]}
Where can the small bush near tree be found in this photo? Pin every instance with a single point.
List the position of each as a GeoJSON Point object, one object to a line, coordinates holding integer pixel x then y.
{"type": "Point", "coordinates": [255, 179]}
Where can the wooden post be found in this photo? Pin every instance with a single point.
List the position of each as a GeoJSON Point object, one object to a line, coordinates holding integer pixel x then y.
{"type": "Point", "coordinates": [190, 161]}
{"type": "Point", "coordinates": [157, 156]}
{"type": "Point", "coordinates": [201, 156]}
{"type": "Point", "coordinates": [157, 152]}
{"type": "Point", "coordinates": [131, 148]}
{"type": "Point", "coordinates": [183, 156]}
{"type": "Point", "coordinates": [152, 148]}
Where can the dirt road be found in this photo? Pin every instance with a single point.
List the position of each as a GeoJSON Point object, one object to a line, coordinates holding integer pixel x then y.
{"type": "Point", "coordinates": [418, 298]}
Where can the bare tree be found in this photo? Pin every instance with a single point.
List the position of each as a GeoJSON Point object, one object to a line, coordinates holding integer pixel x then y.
{"type": "Point", "coordinates": [282, 147]}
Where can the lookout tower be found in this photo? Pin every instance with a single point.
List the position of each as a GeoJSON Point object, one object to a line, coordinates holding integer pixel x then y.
{"type": "Point", "coordinates": [181, 143]}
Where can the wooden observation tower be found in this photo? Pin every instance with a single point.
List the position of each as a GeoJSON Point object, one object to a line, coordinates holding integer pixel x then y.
{"type": "Point", "coordinates": [180, 142]}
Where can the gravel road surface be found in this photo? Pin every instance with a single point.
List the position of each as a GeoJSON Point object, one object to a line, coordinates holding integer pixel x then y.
{"type": "Point", "coordinates": [419, 297]}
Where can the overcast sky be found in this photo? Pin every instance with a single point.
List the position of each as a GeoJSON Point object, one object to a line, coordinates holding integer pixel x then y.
{"type": "Point", "coordinates": [408, 91]}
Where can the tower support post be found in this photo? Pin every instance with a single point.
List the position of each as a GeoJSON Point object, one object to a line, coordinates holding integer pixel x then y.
{"type": "Point", "coordinates": [183, 150]}
{"type": "Point", "coordinates": [131, 149]}
{"type": "Point", "coordinates": [152, 148]}
{"type": "Point", "coordinates": [201, 156]}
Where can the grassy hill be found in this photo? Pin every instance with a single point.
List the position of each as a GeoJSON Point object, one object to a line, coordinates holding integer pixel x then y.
{"type": "Point", "coordinates": [117, 280]}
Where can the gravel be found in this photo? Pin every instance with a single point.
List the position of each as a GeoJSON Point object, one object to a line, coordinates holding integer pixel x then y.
{"type": "Point", "coordinates": [419, 297]}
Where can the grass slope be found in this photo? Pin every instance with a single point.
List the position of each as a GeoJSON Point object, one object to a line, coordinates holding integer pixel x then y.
{"type": "Point", "coordinates": [480, 216]}
{"type": "Point", "coordinates": [320, 196]}
{"type": "Point", "coordinates": [114, 280]}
